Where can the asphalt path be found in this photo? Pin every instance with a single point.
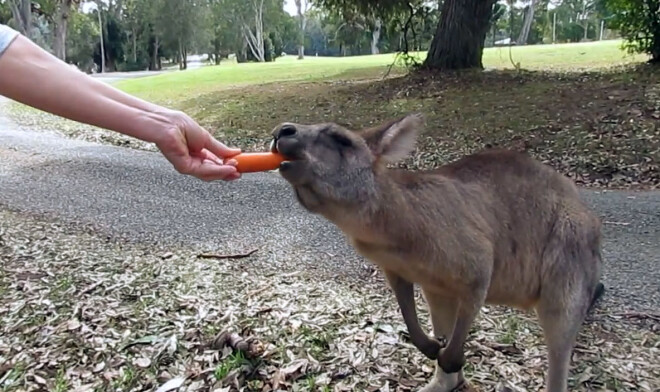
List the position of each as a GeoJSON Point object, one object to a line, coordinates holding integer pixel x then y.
{"type": "Point", "coordinates": [136, 196]}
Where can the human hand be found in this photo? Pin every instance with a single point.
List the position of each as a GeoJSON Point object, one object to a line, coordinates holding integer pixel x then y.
{"type": "Point", "coordinates": [194, 151]}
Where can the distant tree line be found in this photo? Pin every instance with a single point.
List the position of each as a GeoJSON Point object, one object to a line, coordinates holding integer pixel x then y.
{"type": "Point", "coordinates": [127, 35]}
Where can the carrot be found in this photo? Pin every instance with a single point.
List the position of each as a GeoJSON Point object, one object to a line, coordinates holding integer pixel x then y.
{"type": "Point", "coordinates": [257, 161]}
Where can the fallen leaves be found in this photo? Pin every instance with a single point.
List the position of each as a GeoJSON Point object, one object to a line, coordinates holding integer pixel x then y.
{"type": "Point", "coordinates": [222, 327]}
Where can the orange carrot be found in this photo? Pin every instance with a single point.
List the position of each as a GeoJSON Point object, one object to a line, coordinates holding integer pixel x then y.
{"type": "Point", "coordinates": [257, 161]}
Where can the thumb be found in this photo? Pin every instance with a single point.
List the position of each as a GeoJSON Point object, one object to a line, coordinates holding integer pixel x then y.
{"type": "Point", "coordinates": [220, 149]}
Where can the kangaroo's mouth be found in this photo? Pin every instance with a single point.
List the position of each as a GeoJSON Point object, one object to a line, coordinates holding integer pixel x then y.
{"type": "Point", "coordinates": [289, 148]}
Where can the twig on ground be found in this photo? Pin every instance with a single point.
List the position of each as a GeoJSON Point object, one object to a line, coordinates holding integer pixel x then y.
{"type": "Point", "coordinates": [91, 287]}
{"type": "Point", "coordinates": [638, 315]}
{"type": "Point", "coordinates": [617, 223]}
{"type": "Point", "coordinates": [227, 256]}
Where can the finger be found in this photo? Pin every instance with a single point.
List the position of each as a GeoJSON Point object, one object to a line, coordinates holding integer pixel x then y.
{"type": "Point", "coordinates": [207, 155]}
{"type": "Point", "coordinates": [211, 171]}
{"type": "Point", "coordinates": [220, 149]}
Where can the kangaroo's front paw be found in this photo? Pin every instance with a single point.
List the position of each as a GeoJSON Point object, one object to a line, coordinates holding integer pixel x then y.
{"type": "Point", "coordinates": [451, 362]}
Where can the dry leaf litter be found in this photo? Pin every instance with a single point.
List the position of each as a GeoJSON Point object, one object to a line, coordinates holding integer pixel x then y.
{"type": "Point", "coordinates": [81, 313]}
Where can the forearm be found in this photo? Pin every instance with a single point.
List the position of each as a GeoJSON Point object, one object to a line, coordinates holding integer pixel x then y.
{"type": "Point", "coordinates": [36, 78]}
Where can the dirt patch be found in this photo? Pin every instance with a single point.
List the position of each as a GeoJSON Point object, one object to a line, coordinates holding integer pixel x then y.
{"type": "Point", "coordinates": [83, 313]}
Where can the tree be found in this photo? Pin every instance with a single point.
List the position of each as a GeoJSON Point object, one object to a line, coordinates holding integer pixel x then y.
{"type": "Point", "coordinates": [227, 37]}
{"type": "Point", "coordinates": [459, 38]}
{"type": "Point", "coordinates": [302, 6]}
{"type": "Point", "coordinates": [527, 23]}
{"type": "Point", "coordinates": [21, 11]}
{"type": "Point", "coordinates": [178, 22]}
{"type": "Point", "coordinates": [82, 40]}
{"type": "Point", "coordinates": [5, 13]}
{"type": "Point", "coordinates": [254, 32]}
{"type": "Point", "coordinates": [111, 54]}
{"type": "Point", "coordinates": [639, 23]}
{"type": "Point", "coordinates": [498, 13]}
{"type": "Point", "coordinates": [60, 20]}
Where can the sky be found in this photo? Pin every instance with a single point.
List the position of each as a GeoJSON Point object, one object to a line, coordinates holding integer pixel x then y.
{"type": "Point", "coordinates": [290, 7]}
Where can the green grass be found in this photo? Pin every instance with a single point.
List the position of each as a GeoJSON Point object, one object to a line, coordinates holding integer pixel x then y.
{"type": "Point", "coordinates": [175, 86]}
{"type": "Point", "coordinates": [234, 361]}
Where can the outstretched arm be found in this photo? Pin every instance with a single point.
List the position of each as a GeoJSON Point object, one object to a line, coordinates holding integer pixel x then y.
{"type": "Point", "coordinates": [34, 77]}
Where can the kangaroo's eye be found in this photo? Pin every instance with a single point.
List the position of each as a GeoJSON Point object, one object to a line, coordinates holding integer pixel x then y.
{"type": "Point", "coordinates": [342, 140]}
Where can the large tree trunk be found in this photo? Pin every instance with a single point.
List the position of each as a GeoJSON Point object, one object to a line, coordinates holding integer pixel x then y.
{"type": "Point", "coordinates": [527, 24]}
{"type": "Point", "coordinates": [459, 40]}
{"type": "Point", "coordinates": [21, 11]}
{"type": "Point", "coordinates": [375, 36]}
{"type": "Point", "coordinates": [62, 14]}
{"type": "Point", "coordinates": [655, 32]}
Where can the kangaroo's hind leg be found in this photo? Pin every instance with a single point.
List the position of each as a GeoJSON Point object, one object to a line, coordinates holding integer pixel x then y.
{"type": "Point", "coordinates": [571, 285]}
{"type": "Point", "coordinates": [443, 317]}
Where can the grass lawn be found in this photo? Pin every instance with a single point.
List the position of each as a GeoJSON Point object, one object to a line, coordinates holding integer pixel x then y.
{"type": "Point", "coordinates": [563, 57]}
{"type": "Point", "coordinates": [590, 110]}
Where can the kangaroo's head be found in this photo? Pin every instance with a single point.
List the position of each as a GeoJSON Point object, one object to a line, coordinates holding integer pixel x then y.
{"type": "Point", "coordinates": [330, 166]}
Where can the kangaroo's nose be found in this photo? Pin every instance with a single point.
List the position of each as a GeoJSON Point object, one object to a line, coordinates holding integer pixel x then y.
{"type": "Point", "coordinates": [287, 130]}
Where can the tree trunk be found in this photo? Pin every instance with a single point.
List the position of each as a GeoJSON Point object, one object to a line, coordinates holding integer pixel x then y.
{"type": "Point", "coordinates": [375, 36]}
{"type": "Point", "coordinates": [61, 27]}
{"type": "Point", "coordinates": [527, 24]}
{"type": "Point", "coordinates": [586, 28]}
{"type": "Point", "coordinates": [180, 56]}
{"type": "Point", "coordinates": [110, 65]}
{"type": "Point", "coordinates": [655, 34]}
{"type": "Point", "coordinates": [155, 63]}
{"type": "Point", "coordinates": [511, 4]}
{"type": "Point", "coordinates": [255, 41]}
{"type": "Point", "coordinates": [586, 20]}
{"type": "Point", "coordinates": [134, 33]}
{"type": "Point", "coordinates": [459, 39]}
{"type": "Point", "coordinates": [303, 22]}
{"type": "Point", "coordinates": [21, 11]}
{"type": "Point", "coordinates": [98, 12]}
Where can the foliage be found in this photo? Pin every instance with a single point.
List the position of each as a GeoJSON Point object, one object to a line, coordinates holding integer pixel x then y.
{"type": "Point", "coordinates": [83, 37]}
{"type": "Point", "coordinates": [143, 34]}
{"type": "Point", "coordinates": [639, 23]}
{"type": "Point", "coordinates": [5, 12]}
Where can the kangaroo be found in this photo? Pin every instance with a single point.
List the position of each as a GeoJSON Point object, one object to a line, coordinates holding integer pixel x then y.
{"type": "Point", "coordinates": [494, 227]}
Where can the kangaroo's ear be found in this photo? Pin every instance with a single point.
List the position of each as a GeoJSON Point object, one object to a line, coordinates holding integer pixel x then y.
{"type": "Point", "coordinates": [395, 140]}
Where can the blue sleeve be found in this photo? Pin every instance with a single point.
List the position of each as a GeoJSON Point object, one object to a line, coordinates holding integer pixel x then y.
{"type": "Point", "coordinates": [7, 35]}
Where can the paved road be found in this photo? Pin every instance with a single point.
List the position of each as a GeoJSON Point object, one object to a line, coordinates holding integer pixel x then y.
{"type": "Point", "coordinates": [137, 196]}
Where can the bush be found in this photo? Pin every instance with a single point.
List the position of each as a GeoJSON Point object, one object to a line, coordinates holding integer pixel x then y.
{"type": "Point", "coordinates": [638, 21]}
{"type": "Point", "coordinates": [130, 65]}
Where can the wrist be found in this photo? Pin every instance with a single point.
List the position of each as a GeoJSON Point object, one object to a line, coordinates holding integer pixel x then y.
{"type": "Point", "coordinates": [154, 127]}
